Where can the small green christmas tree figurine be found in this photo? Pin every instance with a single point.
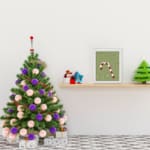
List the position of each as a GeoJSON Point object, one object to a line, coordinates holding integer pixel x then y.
{"type": "Point", "coordinates": [142, 73]}
{"type": "Point", "coordinates": [34, 108]}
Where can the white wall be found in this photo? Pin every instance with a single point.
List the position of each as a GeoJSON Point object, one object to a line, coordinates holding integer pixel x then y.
{"type": "Point", "coordinates": [65, 32]}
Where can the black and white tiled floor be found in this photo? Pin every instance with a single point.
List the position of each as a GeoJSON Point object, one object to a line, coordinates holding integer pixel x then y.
{"type": "Point", "coordinates": [101, 142]}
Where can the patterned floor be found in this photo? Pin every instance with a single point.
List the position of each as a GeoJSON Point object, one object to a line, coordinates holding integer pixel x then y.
{"type": "Point", "coordinates": [102, 142]}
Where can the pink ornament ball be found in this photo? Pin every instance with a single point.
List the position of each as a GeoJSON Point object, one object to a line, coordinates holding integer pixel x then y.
{"type": "Point", "coordinates": [23, 132]}
{"type": "Point", "coordinates": [18, 98]}
{"type": "Point", "coordinates": [48, 118]}
{"type": "Point", "coordinates": [37, 100]}
{"type": "Point", "coordinates": [42, 133]}
{"type": "Point", "coordinates": [31, 124]}
{"type": "Point", "coordinates": [23, 83]}
{"type": "Point", "coordinates": [12, 121]}
{"type": "Point", "coordinates": [35, 71]}
{"type": "Point", "coordinates": [20, 114]}
{"type": "Point", "coordinates": [43, 107]}
{"type": "Point", "coordinates": [62, 121]}
{"type": "Point", "coordinates": [29, 92]}
{"type": "Point", "coordinates": [5, 132]}
{"type": "Point", "coordinates": [3, 123]}
{"type": "Point", "coordinates": [20, 107]}
{"type": "Point", "coordinates": [55, 99]}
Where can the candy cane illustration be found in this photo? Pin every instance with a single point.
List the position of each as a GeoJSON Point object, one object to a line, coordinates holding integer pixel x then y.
{"type": "Point", "coordinates": [109, 67]}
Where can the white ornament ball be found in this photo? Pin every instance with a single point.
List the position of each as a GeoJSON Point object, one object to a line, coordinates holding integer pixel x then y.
{"type": "Point", "coordinates": [12, 121]}
{"type": "Point", "coordinates": [43, 107]}
{"type": "Point", "coordinates": [20, 107]}
{"type": "Point", "coordinates": [5, 132]}
{"type": "Point", "coordinates": [31, 124]}
{"type": "Point", "coordinates": [48, 118]}
{"type": "Point", "coordinates": [29, 92]}
{"type": "Point", "coordinates": [37, 100]}
{"type": "Point", "coordinates": [35, 71]}
{"type": "Point", "coordinates": [61, 121]}
{"type": "Point", "coordinates": [20, 114]}
{"type": "Point", "coordinates": [54, 99]}
{"type": "Point", "coordinates": [23, 132]}
{"type": "Point", "coordinates": [23, 83]}
{"type": "Point", "coordinates": [18, 98]}
{"type": "Point", "coordinates": [42, 133]}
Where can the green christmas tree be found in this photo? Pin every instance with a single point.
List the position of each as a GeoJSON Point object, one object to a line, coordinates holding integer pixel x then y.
{"type": "Point", "coordinates": [34, 108]}
{"type": "Point", "coordinates": [142, 74]}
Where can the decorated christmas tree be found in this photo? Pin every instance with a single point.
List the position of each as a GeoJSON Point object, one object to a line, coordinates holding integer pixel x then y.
{"type": "Point", "coordinates": [34, 108]}
{"type": "Point", "coordinates": [142, 74]}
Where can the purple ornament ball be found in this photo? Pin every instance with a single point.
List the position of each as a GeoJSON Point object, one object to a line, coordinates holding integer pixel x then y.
{"type": "Point", "coordinates": [31, 136]}
{"type": "Point", "coordinates": [25, 88]}
{"type": "Point", "coordinates": [49, 94]}
{"type": "Point", "coordinates": [13, 130]}
{"type": "Point", "coordinates": [39, 117]}
{"type": "Point", "coordinates": [52, 130]}
{"type": "Point", "coordinates": [32, 107]}
{"type": "Point", "coordinates": [24, 71]}
{"type": "Point", "coordinates": [34, 81]}
{"type": "Point", "coordinates": [42, 91]}
{"type": "Point", "coordinates": [10, 110]}
{"type": "Point", "coordinates": [43, 74]}
{"type": "Point", "coordinates": [56, 116]}
{"type": "Point", "coordinates": [18, 81]}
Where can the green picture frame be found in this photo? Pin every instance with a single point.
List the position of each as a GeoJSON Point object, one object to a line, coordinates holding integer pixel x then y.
{"type": "Point", "coordinates": [107, 65]}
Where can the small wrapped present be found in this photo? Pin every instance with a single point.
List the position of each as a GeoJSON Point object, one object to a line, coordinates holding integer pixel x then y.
{"type": "Point", "coordinates": [12, 138]}
{"type": "Point", "coordinates": [49, 140]}
{"type": "Point", "coordinates": [55, 141]}
{"type": "Point", "coordinates": [31, 144]}
{"type": "Point", "coordinates": [60, 139]}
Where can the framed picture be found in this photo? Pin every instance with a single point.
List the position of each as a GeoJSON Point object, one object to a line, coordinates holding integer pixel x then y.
{"type": "Point", "coordinates": [107, 65]}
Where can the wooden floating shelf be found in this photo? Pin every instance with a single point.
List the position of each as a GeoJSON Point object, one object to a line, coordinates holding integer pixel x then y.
{"type": "Point", "coordinates": [84, 85]}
